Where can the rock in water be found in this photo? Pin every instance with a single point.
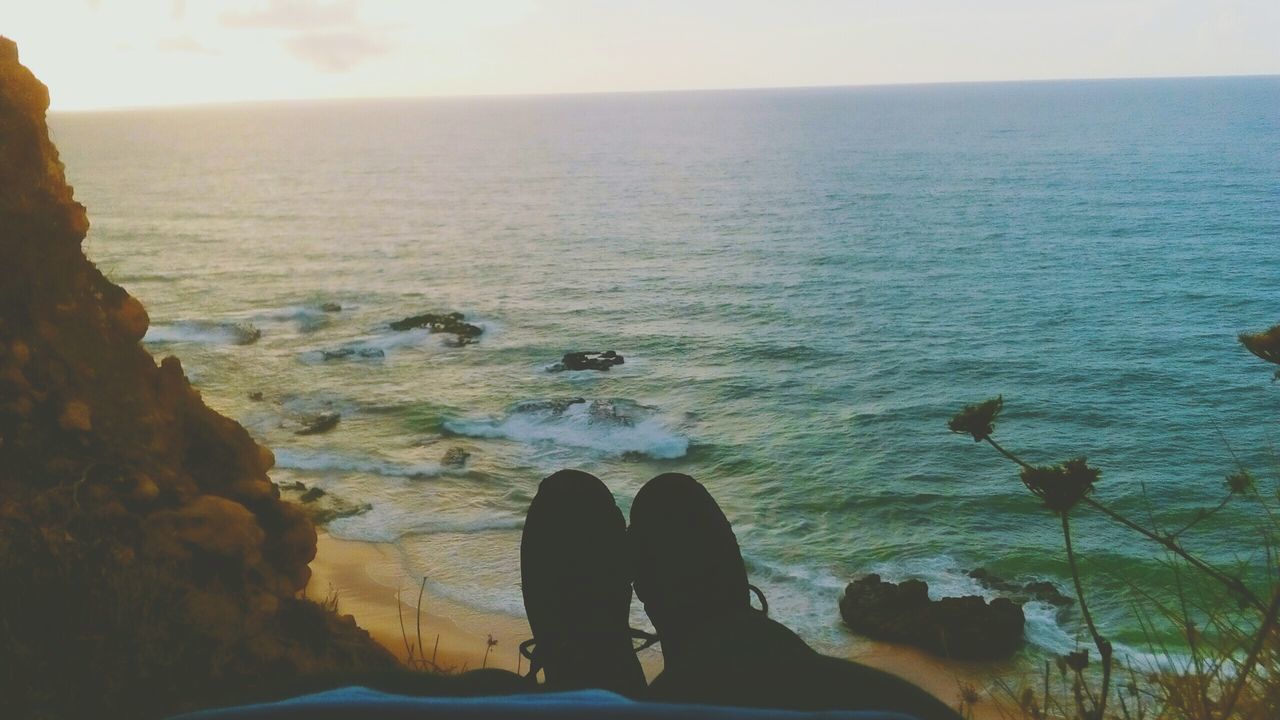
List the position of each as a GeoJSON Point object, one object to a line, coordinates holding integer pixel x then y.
{"type": "Point", "coordinates": [322, 507]}
{"type": "Point", "coordinates": [368, 353]}
{"type": "Point", "coordinates": [455, 323]}
{"type": "Point", "coordinates": [322, 423]}
{"type": "Point", "coordinates": [312, 495]}
{"type": "Point", "coordinates": [588, 360]}
{"type": "Point", "coordinates": [1039, 590]}
{"type": "Point", "coordinates": [556, 406]}
{"type": "Point", "coordinates": [132, 516]}
{"type": "Point", "coordinates": [964, 628]}
{"type": "Point", "coordinates": [245, 333]}
{"type": "Point", "coordinates": [455, 457]}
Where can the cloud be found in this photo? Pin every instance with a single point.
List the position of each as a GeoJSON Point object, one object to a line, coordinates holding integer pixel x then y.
{"type": "Point", "coordinates": [328, 34]}
{"type": "Point", "coordinates": [294, 15]}
{"type": "Point", "coordinates": [185, 44]}
{"type": "Point", "coordinates": [336, 52]}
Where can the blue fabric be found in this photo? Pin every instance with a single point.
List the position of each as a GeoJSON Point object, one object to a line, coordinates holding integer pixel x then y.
{"type": "Point", "coordinates": [360, 703]}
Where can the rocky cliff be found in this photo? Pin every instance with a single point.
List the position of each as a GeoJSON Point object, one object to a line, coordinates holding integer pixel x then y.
{"type": "Point", "coordinates": [133, 518]}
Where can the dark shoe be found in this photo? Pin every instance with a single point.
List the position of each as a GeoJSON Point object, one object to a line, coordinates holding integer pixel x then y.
{"type": "Point", "coordinates": [716, 648]}
{"type": "Point", "coordinates": [688, 568]}
{"type": "Point", "coordinates": [576, 581]}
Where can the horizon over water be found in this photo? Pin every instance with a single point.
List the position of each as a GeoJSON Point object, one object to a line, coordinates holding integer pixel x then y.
{"type": "Point", "coordinates": [297, 102]}
{"type": "Point", "coordinates": [806, 284]}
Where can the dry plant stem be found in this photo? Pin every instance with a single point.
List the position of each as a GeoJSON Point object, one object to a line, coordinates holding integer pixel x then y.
{"type": "Point", "coordinates": [1046, 686]}
{"type": "Point", "coordinates": [1265, 508]}
{"type": "Point", "coordinates": [422, 653]}
{"type": "Point", "coordinates": [408, 647]}
{"type": "Point", "coordinates": [1103, 645]}
{"type": "Point", "coordinates": [1268, 624]}
{"type": "Point", "coordinates": [1231, 583]}
{"type": "Point", "coordinates": [488, 648]}
{"type": "Point", "coordinates": [1000, 449]}
{"type": "Point", "coordinates": [1201, 517]}
{"type": "Point", "coordinates": [1188, 627]}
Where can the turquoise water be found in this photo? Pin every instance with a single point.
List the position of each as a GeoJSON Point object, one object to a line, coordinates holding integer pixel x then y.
{"type": "Point", "coordinates": [805, 284]}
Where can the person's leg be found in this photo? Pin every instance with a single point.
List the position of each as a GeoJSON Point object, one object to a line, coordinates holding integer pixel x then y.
{"type": "Point", "coordinates": [576, 582]}
{"type": "Point", "coordinates": [716, 648]}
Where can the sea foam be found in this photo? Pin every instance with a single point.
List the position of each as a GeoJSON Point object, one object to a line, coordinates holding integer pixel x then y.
{"type": "Point", "coordinates": [340, 464]}
{"type": "Point", "coordinates": [610, 427]}
{"type": "Point", "coordinates": [205, 332]}
{"type": "Point", "coordinates": [303, 318]}
{"type": "Point", "coordinates": [388, 522]}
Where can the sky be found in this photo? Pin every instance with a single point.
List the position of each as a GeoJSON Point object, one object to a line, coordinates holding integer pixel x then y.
{"type": "Point", "coordinates": [132, 53]}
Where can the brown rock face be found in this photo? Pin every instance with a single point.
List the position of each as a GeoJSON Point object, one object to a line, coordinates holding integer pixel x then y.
{"type": "Point", "coordinates": [81, 398]}
{"type": "Point", "coordinates": [102, 452]}
{"type": "Point", "coordinates": [963, 628]}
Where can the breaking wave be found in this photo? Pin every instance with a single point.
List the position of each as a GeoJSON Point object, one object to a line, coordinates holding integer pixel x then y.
{"type": "Point", "coordinates": [205, 332]}
{"type": "Point", "coordinates": [378, 347]}
{"type": "Point", "coordinates": [303, 318]}
{"type": "Point", "coordinates": [611, 427]}
{"type": "Point", "coordinates": [335, 463]}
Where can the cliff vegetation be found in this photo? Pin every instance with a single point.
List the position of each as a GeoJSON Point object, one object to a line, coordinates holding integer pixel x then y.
{"type": "Point", "coordinates": [147, 562]}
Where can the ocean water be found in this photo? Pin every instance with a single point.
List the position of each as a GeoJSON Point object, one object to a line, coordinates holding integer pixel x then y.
{"type": "Point", "coordinates": [806, 284]}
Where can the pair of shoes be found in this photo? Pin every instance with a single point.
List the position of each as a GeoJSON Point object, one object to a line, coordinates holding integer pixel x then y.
{"type": "Point", "coordinates": [578, 561]}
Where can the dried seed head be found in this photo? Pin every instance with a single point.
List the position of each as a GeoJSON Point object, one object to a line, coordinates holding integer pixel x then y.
{"type": "Point", "coordinates": [979, 420]}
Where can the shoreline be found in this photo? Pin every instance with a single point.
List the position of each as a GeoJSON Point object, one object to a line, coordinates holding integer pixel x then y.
{"type": "Point", "coordinates": [370, 585]}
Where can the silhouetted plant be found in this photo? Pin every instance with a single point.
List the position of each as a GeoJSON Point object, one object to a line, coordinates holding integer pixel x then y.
{"type": "Point", "coordinates": [489, 643]}
{"type": "Point", "coordinates": [969, 699]}
{"type": "Point", "coordinates": [415, 653]}
{"type": "Point", "coordinates": [1064, 487]}
{"type": "Point", "coordinates": [1265, 345]}
{"type": "Point", "coordinates": [1061, 487]}
{"type": "Point", "coordinates": [1240, 482]}
{"type": "Point", "coordinates": [978, 420]}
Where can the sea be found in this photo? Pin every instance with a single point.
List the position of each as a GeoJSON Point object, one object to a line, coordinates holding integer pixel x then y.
{"type": "Point", "coordinates": [805, 285]}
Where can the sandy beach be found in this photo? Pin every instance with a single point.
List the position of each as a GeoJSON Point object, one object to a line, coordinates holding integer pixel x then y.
{"type": "Point", "coordinates": [371, 586]}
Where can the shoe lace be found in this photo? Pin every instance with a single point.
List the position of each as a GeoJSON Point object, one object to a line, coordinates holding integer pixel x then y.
{"type": "Point", "coordinates": [764, 604]}
{"type": "Point", "coordinates": [529, 649]}
{"type": "Point", "coordinates": [647, 639]}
